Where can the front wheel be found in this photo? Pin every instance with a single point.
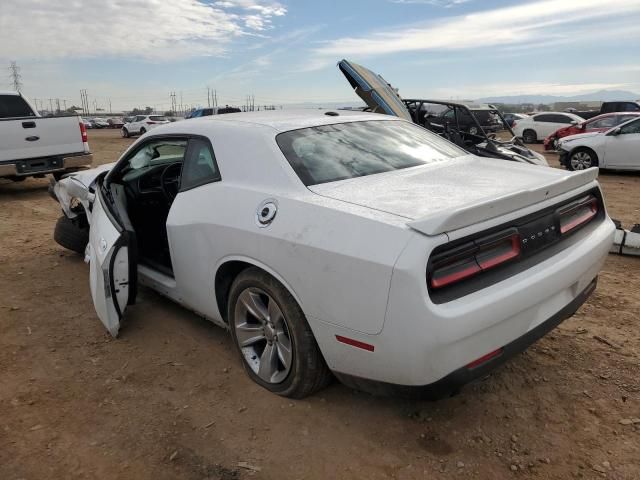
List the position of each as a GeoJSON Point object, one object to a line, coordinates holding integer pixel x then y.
{"type": "Point", "coordinates": [71, 234]}
{"type": "Point", "coordinates": [269, 330]}
{"type": "Point", "coordinates": [581, 159]}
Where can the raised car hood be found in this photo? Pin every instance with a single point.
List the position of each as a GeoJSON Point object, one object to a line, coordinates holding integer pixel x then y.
{"type": "Point", "coordinates": [449, 195]}
{"type": "Point", "coordinates": [376, 92]}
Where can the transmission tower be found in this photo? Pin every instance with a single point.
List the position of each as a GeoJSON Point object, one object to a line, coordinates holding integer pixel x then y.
{"type": "Point", "coordinates": [16, 78]}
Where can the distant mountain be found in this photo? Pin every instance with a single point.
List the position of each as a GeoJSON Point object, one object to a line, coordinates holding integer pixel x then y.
{"type": "Point", "coordinates": [601, 95]}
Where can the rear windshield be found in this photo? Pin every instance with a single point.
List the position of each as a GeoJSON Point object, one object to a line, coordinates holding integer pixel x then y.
{"type": "Point", "coordinates": [157, 118]}
{"type": "Point", "coordinates": [14, 106]}
{"type": "Point", "coordinates": [329, 153]}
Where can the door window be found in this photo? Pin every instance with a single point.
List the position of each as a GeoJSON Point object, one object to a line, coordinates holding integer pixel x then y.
{"type": "Point", "coordinates": [545, 118]}
{"type": "Point", "coordinates": [200, 165]}
{"type": "Point", "coordinates": [633, 127]}
{"type": "Point", "coordinates": [607, 122]}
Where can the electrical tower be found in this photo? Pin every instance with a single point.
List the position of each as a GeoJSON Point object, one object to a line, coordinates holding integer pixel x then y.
{"type": "Point", "coordinates": [14, 75]}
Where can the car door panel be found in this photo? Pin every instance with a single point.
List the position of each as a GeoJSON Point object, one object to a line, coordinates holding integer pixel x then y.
{"type": "Point", "coordinates": [109, 265]}
{"type": "Point", "coordinates": [623, 151]}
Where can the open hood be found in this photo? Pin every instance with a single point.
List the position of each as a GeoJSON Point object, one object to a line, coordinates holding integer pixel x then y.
{"type": "Point", "coordinates": [376, 92]}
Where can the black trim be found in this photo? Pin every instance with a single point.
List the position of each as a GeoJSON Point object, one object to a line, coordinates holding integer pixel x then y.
{"type": "Point", "coordinates": [452, 383]}
{"type": "Point", "coordinates": [548, 245]}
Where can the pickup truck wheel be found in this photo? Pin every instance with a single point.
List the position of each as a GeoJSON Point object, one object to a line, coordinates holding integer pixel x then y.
{"type": "Point", "coordinates": [529, 136]}
{"type": "Point", "coordinates": [125, 133]}
{"type": "Point", "coordinates": [581, 159]}
{"type": "Point", "coordinates": [269, 330]}
{"type": "Point", "coordinates": [71, 235]}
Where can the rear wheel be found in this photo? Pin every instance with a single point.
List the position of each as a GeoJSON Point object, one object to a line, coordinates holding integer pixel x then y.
{"type": "Point", "coordinates": [270, 331]}
{"type": "Point", "coordinates": [529, 136]}
{"type": "Point", "coordinates": [581, 159]}
{"type": "Point", "coordinates": [143, 131]}
{"type": "Point", "coordinates": [71, 235]}
{"type": "Point", "coordinates": [125, 133]}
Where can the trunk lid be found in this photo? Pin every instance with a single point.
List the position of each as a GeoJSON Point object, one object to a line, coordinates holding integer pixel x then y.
{"type": "Point", "coordinates": [376, 92]}
{"type": "Point", "coordinates": [452, 194]}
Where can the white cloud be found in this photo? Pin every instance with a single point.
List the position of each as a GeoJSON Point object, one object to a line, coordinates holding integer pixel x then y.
{"type": "Point", "coordinates": [518, 25]}
{"type": "Point", "coordinates": [152, 29]}
{"type": "Point", "coordinates": [435, 3]}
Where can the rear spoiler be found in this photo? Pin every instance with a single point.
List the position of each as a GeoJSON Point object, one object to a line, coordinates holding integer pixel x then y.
{"type": "Point", "coordinates": [441, 222]}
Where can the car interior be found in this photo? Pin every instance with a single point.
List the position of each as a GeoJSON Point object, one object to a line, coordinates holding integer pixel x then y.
{"type": "Point", "coordinates": [144, 186]}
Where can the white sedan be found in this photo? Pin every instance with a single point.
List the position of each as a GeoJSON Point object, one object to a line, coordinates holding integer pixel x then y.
{"type": "Point", "coordinates": [617, 148]}
{"type": "Point", "coordinates": [340, 242]}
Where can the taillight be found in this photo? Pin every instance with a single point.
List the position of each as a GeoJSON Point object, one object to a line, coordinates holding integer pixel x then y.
{"type": "Point", "coordinates": [83, 132]}
{"type": "Point", "coordinates": [150, 123]}
{"type": "Point", "coordinates": [460, 263]}
{"type": "Point", "coordinates": [578, 213]}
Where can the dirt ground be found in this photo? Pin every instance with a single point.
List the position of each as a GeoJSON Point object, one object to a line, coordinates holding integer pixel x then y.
{"type": "Point", "coordinates": [169, 400]}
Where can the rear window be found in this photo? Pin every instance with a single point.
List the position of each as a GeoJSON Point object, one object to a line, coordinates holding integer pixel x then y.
{"type": "Point", "coordinates": [157, 118]}
{"type": "Point", "coordinates": [14, 106]}
{"type": "Point", "coordinates": [329, 153]}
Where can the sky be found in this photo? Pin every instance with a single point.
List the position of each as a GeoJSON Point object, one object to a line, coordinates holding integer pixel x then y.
{"type": "Point", "coordinates": [135, 52]}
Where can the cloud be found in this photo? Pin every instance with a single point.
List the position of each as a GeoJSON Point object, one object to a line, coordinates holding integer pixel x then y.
{"type": "Point", "coordinates": [517, 25]}
{"type": "Point", "coordinates": [435, 3]}
{"type": "Point", "coordinates": [152, 29]}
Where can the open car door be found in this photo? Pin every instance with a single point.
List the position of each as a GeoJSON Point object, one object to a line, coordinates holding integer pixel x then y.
{"type": "Point", "coordinates": [379, 95]}
{"type": "Point", "coordinates": [112, 271]}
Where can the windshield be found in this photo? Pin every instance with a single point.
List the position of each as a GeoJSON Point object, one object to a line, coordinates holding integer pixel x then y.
{"type": "Point", "coordinates": [329, 153]}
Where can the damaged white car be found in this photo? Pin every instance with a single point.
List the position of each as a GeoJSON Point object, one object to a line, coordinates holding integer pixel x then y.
{"type": "Point", "coordinates": [352, 243]}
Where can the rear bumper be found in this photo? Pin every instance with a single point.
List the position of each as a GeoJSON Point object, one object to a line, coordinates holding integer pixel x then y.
{"type": "Point", "coordinates": [460, 377]}
{"type": "Point", "coordinates": [40, 166]}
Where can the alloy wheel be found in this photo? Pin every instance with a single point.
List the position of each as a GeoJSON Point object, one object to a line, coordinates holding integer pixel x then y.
{"type": "Point", "coordinates": [263, 336]}
{"type": "Point", "coordinates": [581, 161]}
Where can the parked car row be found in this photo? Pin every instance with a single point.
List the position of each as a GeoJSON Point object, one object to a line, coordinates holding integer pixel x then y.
{"type": "Point", "coordinates": [99, 122]}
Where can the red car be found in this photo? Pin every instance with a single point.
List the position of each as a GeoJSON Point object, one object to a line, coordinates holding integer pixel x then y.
{"type": "Point", "coordinates": [601, 123]}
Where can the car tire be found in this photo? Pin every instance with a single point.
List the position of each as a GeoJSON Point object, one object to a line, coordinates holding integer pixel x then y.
{"type": "Point", "coordinates": [125, 133]}
{"type": "Point", "coordinates": [278, 351]}
{"type": "Point", "coordinates": [529, 136]}
{"type": "Point", "coordinates": [143, 131]}
{"type": "Point", "coordinates": [70, 235]}
{"type": "Point", "coordinates": [581, 159]}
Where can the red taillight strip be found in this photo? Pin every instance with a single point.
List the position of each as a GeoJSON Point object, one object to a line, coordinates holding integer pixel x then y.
{"type": "Point", "coordinates": [513, 253]}
{"type": "Point", "coordinates": [484, 359]}
{"type": "Point", "coordinates": [587, 216]}
{"type": "Point", "coordinates": [355, 343]}
{"type": "Point", "coordinates": [456, 276]}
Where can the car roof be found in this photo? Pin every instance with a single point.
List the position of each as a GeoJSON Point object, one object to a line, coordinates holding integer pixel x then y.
{"type": "Point", "coordinates": [285, 120]}
{"type": "Point", "coordinates": [9, 92]}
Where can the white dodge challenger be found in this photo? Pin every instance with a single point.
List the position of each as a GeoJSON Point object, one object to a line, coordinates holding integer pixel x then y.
{"type": "Point", "coordinates": [340, 242]}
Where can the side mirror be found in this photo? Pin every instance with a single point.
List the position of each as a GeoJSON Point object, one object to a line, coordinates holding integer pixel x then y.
{"type": "Point", "coordinates": [574, 122]}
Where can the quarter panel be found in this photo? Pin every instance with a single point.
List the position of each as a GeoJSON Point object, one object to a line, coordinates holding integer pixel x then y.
{"type": "Point", "coordinates": [337, 263]}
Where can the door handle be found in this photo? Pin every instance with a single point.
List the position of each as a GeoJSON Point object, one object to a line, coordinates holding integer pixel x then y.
{"type": "Point", "coordinates": [30, 124]}
{"type": "Point", "coordinates": [32, 138]}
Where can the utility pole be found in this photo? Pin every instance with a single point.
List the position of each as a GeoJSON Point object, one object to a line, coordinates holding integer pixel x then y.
{"type": "Point", "coordinates": [110, 107]}
{"type": "Point", "coordinates": [16, 78]}
{"type": "Point", "coordinates": [50, 105]}
{"type": "Point", "coordinates": [208, 97]}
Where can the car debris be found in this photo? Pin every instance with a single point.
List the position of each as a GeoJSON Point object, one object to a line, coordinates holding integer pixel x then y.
{"type": "Point", "coordinates": [455, 121]}
{"type": "Point", "coordinates": [626, 242]}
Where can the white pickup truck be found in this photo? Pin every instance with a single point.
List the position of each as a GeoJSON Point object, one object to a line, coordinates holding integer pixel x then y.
{"type": "Point", "coordinates": [31, 145]}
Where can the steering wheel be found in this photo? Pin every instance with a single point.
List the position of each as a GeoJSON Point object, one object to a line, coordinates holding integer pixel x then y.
{"type": "Point", "coordinates": [170, 180]}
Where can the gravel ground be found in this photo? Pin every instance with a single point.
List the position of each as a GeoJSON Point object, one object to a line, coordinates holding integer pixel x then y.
{"type": "Point", "coordinates": [169, 399]}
